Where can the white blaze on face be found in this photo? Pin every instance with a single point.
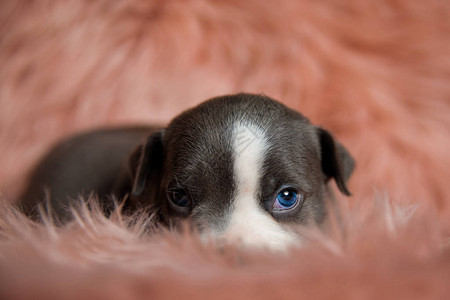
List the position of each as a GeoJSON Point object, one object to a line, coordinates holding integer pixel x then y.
{"type": "Point", "coordinates": [249, 223]}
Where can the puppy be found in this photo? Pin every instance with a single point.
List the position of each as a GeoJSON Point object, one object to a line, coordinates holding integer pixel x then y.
{"type": "Point", "coordinates": [240, 167]}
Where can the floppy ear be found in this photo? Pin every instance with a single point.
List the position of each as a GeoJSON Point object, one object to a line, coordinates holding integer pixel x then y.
{"type": "Point", "coordinates": [146, 162]}
{"type": "Point", "coordinates": [336, 161]}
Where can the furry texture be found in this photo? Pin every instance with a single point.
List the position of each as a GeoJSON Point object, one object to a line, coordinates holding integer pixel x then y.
{"type": "Point", "coordinates": [376, 73]}
{"type": "Point", "coordinates": [384, 252]}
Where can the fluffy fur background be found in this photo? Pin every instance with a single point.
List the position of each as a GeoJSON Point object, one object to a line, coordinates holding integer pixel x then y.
{"type": "Point", "coordinates": [376, 73]}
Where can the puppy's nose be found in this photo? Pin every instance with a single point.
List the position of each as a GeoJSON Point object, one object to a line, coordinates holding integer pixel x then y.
{"type": "Point", "coordinates": [256, 238]}
{"type": "Point", "coordinates": [254, 230]}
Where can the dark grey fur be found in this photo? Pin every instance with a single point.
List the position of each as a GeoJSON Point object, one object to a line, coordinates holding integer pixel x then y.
{"type": "Point", "coordinates": [195, 153]}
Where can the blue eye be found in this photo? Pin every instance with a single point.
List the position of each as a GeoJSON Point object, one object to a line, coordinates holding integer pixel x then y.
{"type": "Point", "coordinates": [286, 199]}
{"type": "Point", "coordinates": [179, 197]}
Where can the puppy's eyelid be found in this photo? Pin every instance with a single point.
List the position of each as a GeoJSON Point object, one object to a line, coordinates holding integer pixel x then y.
{"type": "Point", "coordinates": [175, 183]}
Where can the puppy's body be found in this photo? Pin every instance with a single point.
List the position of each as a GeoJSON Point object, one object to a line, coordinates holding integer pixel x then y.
{"type": "Point", "coordinates": [96, 161]}
{"type": "Point", "coordinates": [241, 167]}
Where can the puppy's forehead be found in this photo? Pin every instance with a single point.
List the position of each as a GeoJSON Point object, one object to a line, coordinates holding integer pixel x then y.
{"type": "Point", "coordinates": [205, 120]}
{"type": "Point", "coordinates": [201, 140]}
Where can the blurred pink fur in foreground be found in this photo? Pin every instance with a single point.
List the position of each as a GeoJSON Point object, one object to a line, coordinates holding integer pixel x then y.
{"type": "Point", "coordinates": [376, 73]}
{"type": "Point", "coordinates": [387, 252]}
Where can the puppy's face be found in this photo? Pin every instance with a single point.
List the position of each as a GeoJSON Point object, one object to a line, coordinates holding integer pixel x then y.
{"type": "Point", "coordinates": [242, 168]}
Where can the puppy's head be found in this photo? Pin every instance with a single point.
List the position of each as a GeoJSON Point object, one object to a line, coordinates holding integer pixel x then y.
{"type": "Point", "coordinates": [241, 167]}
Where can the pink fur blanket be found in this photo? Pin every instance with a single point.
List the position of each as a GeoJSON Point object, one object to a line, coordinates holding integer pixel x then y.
{"type": "Point", "coordinates": [384, 251]}
{"type": "Point", "coordinates": [376, 73]}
